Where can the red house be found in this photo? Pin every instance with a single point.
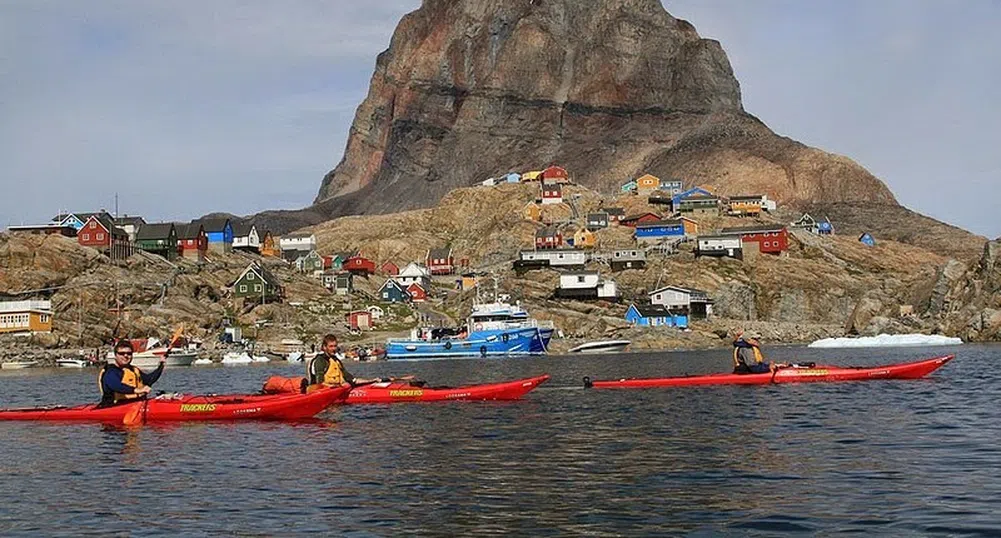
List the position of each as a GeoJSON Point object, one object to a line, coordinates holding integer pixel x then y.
{"type": "Point", "coordinates": [192, 241]}
{"type": "Point", "coordinates": [555, 174]}
{"type": "Point", "coordinates": [417, 293]}
{"type": "Point", "coordinates": [100, 232]}
{"type": "Point", "coordinates": [769, 239]}
{"type": "Point", "coordinates": [328, 262]}
{"type": "Point", "coordinates": [359, 265]}
{"type": "Point", "coordinates": [640, 218]}
{"type": "Point", "coordinates": [360, 320]}
{"type": "Point", "coordinates": [549, 237]}
{"type": "Point", "coordinates": [552, 193]}
{"type": "Point", "coordinates": [390, 268]}
{"type": "Point", "coordinates": [440, 261]}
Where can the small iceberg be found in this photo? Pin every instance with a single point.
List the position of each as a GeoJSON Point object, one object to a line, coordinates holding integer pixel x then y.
{"type": "Point", "coordinates": [888, 340]}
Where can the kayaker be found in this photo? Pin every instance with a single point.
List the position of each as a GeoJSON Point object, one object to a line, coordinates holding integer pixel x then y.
{"type": "Point", "coordinates": [747, 357]}
{"type": "Point", "coordinates": [121, 382]}
{"type": "Point", "coordinates": [327, 367]}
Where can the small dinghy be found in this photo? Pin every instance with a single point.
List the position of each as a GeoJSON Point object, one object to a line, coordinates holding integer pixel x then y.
{"type": "Point", "coordinates": [602, 346]}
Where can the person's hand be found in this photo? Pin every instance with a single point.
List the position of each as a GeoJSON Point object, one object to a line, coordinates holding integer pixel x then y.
{"type": "Point", "coordinates": [163, 359]}
{"type": "Point", "coordinates": [143, 390]}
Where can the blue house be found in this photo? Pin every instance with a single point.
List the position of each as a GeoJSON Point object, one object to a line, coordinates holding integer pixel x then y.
{"type": "Point", "coordinates": [867, 239]}
{"type": "Point", "coordinates": [659, 230]}
{"type": "Point", "coordinates": [825, 227]}
{"type": "Point", "coordinates": [677, 198]}
{"type": "Point", "coordinates": [219, 233]}
{"type": "Point", "coordinates": [77, 220]}
{"type": "Point", "coordinates": [651, 315]}
{"type": "Point", "coordinates": [513, 178]}
{"type": "Point", "coordinates": [629, 186]}
{"type": "Point", "coordinates": [393, 292]}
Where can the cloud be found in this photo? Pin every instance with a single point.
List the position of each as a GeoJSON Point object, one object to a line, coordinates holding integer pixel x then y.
{"type": "Point", "coordinates": [188, 107]}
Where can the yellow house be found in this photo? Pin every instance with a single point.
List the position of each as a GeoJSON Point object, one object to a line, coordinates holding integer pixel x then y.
{"type": "Point", "coordinates": [691, 227]}
{"type": "Point", "coordinates": [532, 212]}
{"type": "Point", "coordinates": [468, 282]}
{"type": "Point", "coordinates": [584, 238]}
{"type": "Point", "coordinates": [746, 205]}
{"type": "Point", "coordinates": [25, 316]}
{"type": "Point", "coordinates": [534, 175]}
{"type": "Point", "coordinates": [647, 183]}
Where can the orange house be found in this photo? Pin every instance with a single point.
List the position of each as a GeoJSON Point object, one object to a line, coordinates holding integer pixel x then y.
{"type": "Point", "coordinates": [691, 226]}
{"type": "Point", "coordinates": [268, 247]}
{"type": "Point", "coordinates": [584, 238]}
{"type": "Point", "coordinates": [647, 183]}
{"type": "Point", "coordinates": [25, 316]}
{"type": "Point", "coordinates": [532, 212]}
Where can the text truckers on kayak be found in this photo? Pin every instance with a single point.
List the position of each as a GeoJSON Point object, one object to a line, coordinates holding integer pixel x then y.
{"type": "Point", "coordinates": [326, 367]}
{"type": "Point", "coordinates": [121, 382]}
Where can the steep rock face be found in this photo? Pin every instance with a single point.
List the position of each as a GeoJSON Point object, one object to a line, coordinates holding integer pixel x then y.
{"type": "Point", "coordinates": [470, 89]}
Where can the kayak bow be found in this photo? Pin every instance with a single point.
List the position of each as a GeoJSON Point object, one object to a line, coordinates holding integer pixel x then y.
{"type": "Point", "coordinates": [788, 374]}
{"type": "Point", "coordinates": [405, 392]}
{"type": "Point", "coordinates": [194, 408]}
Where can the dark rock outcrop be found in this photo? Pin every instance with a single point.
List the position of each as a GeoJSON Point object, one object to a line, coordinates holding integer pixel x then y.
{"type": "Point", "coordinates": [610, 89]}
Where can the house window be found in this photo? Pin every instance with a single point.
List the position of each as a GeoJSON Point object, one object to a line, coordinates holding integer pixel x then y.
{"type": "Point", "coordinates": [250, 276]}
{"type": "Point", "coordinates": [257, 287]}
{"type": "Point", "coordinates": [86, 237]}
{"type": "Point", "coordinates": [44, 318]}
{"type": "Point", "coordinates": [580, 279]}
{"type": "Point", "coordinates": [93, 225]}
{"type": "Point", "coordinates": [243, 288]}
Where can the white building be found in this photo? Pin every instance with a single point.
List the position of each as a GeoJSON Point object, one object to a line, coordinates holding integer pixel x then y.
{"type": "Point", "coordinates": [693, 302]}
{"type": "Point", "coordinates": [245, 237]}
{"type": "Point", "coordinates": [586, 285]}
{"type": "Point", "coordinates": [412, 273]}
{"type": "Point", "coordinates": [552, 257]}
{"type": "Point", "coordinates": [300, 241]}
{"type": "Point", "coordinates": [719, 245]}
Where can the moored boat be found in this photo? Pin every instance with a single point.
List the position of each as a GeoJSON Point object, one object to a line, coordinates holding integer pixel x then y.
{"type": "Point", "coordinates": [237, 359]}
{"type": "Point", "coordinates": [73, 363]}
{"type": "Point", "coordinates": [496, 329]}
{"type": "Point", "coordinates": [192, 408]}
{"type": "Point", "coordinates": [18, 365]}
{"type": "Point", "coordinates": [793, 373]}
{"type": "Point", "coordinates": [395, 392]}
{"type": "Point", "coordinates": [148, 351]}
{"type": "Point", "coordinates": [602, 346]}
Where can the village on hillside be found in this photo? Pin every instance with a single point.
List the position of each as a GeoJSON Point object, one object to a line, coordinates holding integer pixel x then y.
{"type": "Point", "coordinates": [568, 240]}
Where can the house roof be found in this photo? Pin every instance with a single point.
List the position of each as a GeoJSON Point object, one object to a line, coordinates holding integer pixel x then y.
{"type": "Point", "coordinates": [212, 225]}
{"type": "Point", "coordinates": [548, 231]}
{"type": "Point", "coordinates": [699, 197]}
{"type": "Point", "coordinates": [580, 273]}
{"type": "Point", "coordinates": [656, 223]}
{"type": "Point", "coordinates": [440, 253]}
{"type": "Point", "coordinates": [750, 197]}
{"type": "Point", "coordinates": [187, 231]}
{"type": "Point", "coordinates": [637, 216]}
{"type": "Point", "coordinates": [108, 222]}
{"type": "Point", "coordinates": [413, 269]}
{"type": "Point", "coordinates": [651, 310]}
{"type": "Point", "coordinates": [597, 216]}
{"type": "Point", "coordinates": [263, 273]}
{"type": "Point", "coordinates": [691, 291]}
{"type": "Point", "coordinates": [614, 210]}
{"type": "Point", "coordinates": [160, 230]}
{"type": "Point", "coordinates": [242, 229]}
{"type": "Point", "coordinates": [647, 177]}
{"type": "Point", "coordinates": [126, 220]}
{"type": "Point", "coordinates": [392, 283]}
{"type": "Point", "coordinates": [716, 237]}
{"type": "Point", "coordinates": [83, 217]}
{"type": "Point", "coordinates": [752, 229]}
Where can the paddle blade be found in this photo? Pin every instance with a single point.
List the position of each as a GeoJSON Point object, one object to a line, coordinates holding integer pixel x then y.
{"type": "Point", "coordinates": [134, 416]}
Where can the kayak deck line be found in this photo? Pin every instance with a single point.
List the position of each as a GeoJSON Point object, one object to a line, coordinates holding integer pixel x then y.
{"type": "Point", "coordinates": [793, 373]}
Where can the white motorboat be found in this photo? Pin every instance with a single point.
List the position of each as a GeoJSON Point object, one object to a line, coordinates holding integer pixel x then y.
{"type": "Point", "coordinates": [202, 362]}
{"type": "Point", "coordinates": [147, 354]}
{"type": "Point", "coordinates": [259, 358]}
{"type": "Point", "coordinates": [235, 359]}
{"type": "Point", "coordinates": [71, 363]}
{"type": "Point", "coordinates": [299, 356]}
{"type": "Point", "coordinates": [17, 365]}
{"type": "Point", "coordinates": [602, 346]}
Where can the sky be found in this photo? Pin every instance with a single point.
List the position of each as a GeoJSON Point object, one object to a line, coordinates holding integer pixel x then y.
{"type": "Point", "coordinates": [185, 107]}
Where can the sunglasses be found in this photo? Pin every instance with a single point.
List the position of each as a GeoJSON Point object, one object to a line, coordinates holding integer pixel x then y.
{"type": "Point", "coordinates": [124, 353]}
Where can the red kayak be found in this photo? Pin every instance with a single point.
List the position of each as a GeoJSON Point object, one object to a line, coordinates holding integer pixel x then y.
{"type": "Point", "coordinates": [193, 408]}
{"type": "Point", "coordinates": [793, 373]}
{"type": "Point", "coordinates": [405, 392]}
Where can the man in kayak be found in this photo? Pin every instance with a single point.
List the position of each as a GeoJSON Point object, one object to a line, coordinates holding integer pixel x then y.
{"type": "Point", "coordinates": [327, 369]}
{"type": "Point", "coordinates": [121, 382]}
{"type": "Point", "coordinates": [747, 357]}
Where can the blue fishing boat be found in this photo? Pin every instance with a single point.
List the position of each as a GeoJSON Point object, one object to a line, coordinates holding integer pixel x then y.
{"type": "Point", "coordinates": [496, 329]}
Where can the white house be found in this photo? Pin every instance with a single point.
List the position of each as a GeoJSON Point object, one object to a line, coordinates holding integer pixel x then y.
{"type": "Point", "coordinates": [696, 303]}
{"type": "Point", "coordinates": [412, 273]}
{"type": "Point", "coordinates": [627, 259]}
{"type": "Point", "coordinates": [586, 285]}
{"type": "Point", "coordinates": [245, 236]}
{"type": "Point", "coordinates": [301, 241]}
{"type": "Point", "coordinates": [376, 311]}
{"type": "Point", "coordinates": [719, 246]}
{"type": "Point", "coordinates": [554, 257]}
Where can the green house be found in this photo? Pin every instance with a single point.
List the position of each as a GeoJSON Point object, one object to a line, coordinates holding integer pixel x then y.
{"type": "Point", "coordinates": [310, 263]}
{"type": "Point", "coordinates": [158, 238]}
{"type": "Point", "coordinates": [337, 260]}
{"type": "Point", "coordinates": [256, 282]}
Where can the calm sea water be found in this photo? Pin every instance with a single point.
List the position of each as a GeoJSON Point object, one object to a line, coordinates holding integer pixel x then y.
{"type": "Point", "coordinates": [897, 457]}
